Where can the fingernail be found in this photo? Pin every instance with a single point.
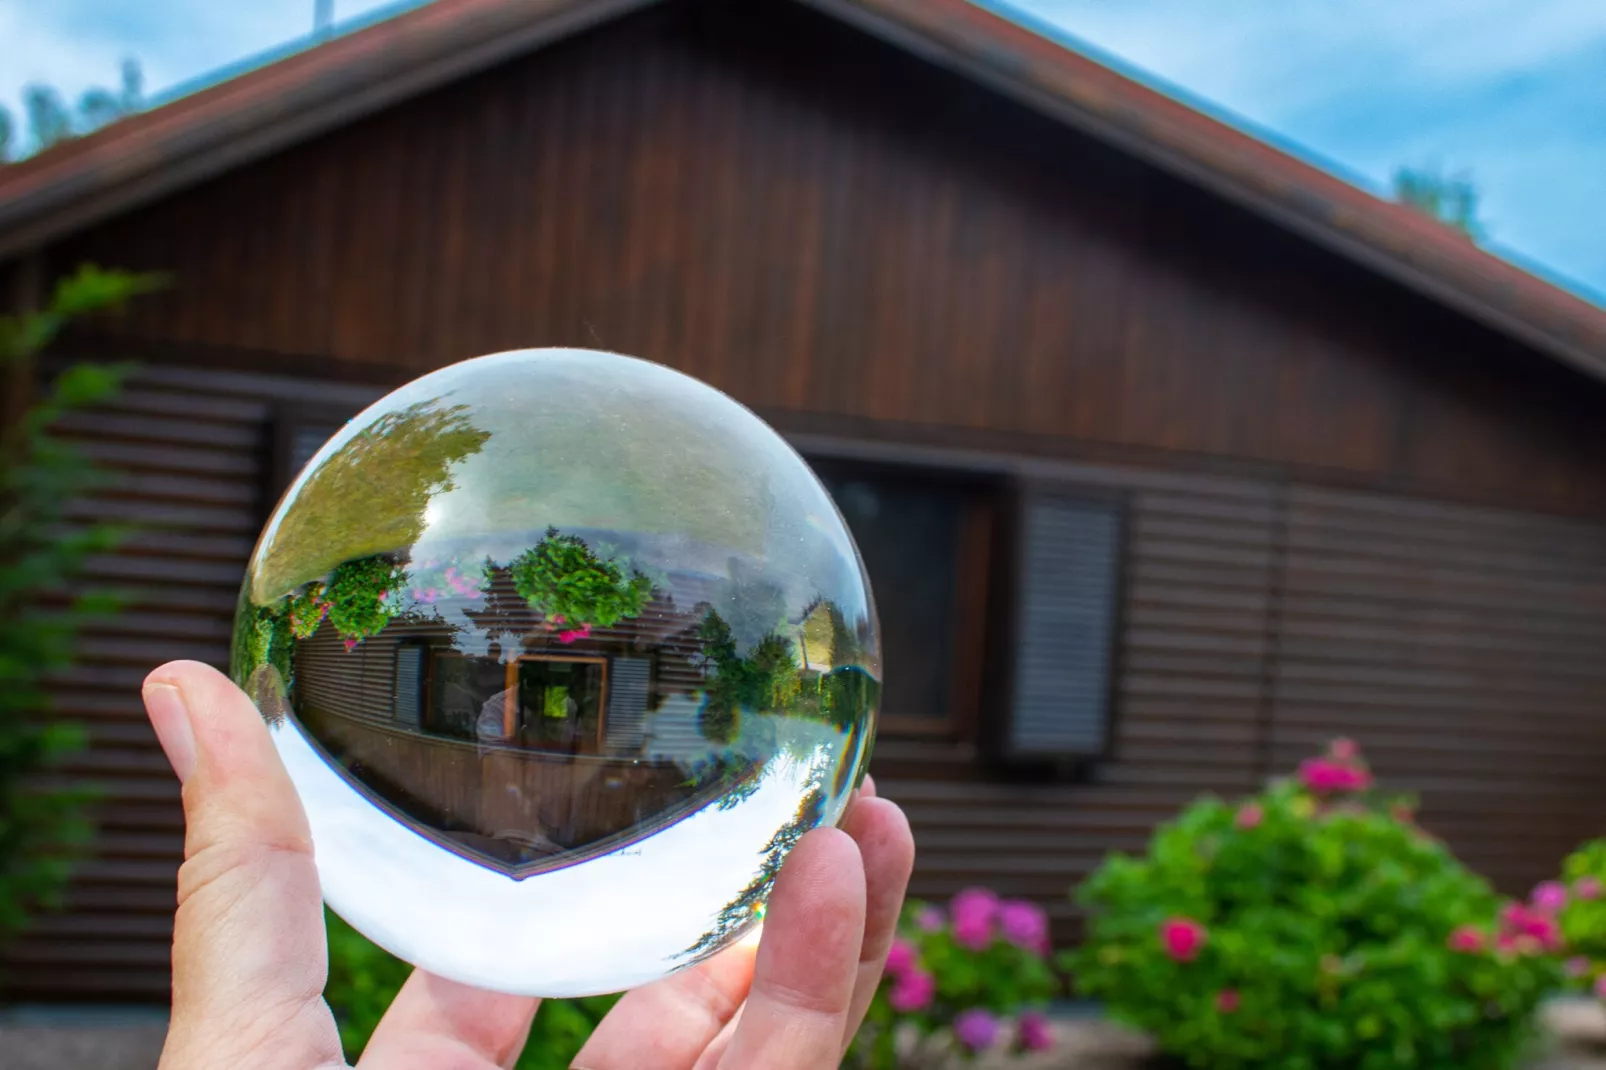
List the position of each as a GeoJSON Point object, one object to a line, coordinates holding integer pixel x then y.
{"type": "Point", "coordinates": [171, 720]}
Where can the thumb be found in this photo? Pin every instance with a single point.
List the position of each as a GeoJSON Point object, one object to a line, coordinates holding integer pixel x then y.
{"type": "Point", "coordinates": [249, 952]}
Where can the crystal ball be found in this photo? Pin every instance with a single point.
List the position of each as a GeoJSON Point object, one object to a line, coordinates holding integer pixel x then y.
{"type": "Point", "coordinates": [563, 651]}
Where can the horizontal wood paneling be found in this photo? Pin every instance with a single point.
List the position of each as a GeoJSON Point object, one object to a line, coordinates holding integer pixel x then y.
{"type": "Point", "coordinates": [187, 454]}
{"type": "Point", "coordinates": [867, 238]}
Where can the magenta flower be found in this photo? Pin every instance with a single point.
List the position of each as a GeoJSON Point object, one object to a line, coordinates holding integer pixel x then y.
{"type": "Point", "coordinates": [1587, 887]}
{"type": "Point", "coordinates": [1024, 924]}
{"type": "Point", "coordinates": [912, 991]}
{"type": "Point", "coordinates": [1034, 1032]}
{"type": "Point", "coordinates": [976, 1029]}
{"type": "Point", "coordinates": [900, 957]}
{"type": "Point", "coordinates": [351, 644]}
{"type": "Point", "coordinates": [1250, 815]}
{"type": "Point", "coordinates": [1326, 777]}
{"type": "Point", "coordinates": [1227, 1001]}
{"type": "Point", "coordinates": [1343, 751]}
{"type": "Point", "coordinates": [973, 932]}
{"type": "Point", "coordinates": [1577, 966]}
{"type": "Point", "coordinates": [568, 637]}
{"type": "Point", "coordinates": [1468, 939]}
{"type": "Point", "coordinates": [930, 919]}
{"type": "Point", "coordinates": [1182, 938]}
{"type": "Point", "coordinates": [1549, 896]}
{"type": "Point", "coordinates": [974, 902]}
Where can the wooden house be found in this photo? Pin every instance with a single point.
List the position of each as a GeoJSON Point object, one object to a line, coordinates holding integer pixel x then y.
{"type": "Point", "coordinates": [1171, 455]}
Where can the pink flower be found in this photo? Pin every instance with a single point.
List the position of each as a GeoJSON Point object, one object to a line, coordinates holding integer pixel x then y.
{"type": "Point", "coordinates": [1577, 966]}
{"type": "Point", "coordinates": [1545, 932]}
{"type": "Point", "coordinates": [973, 932]}
{"type": "Point", "coordinates": [976, 1029]}
{"type": "Point", "coordinates": [1182, 938]}
{"type": "Point", "coordinates": [558, 619]}
{"type": "Point", "coordinates": [1227, 1000]}
{"type": "Point", "coordinates": [974, 911]}
{"type": "Point", "coordinates": [1024, 924]}
{"type": "Point", "coordinates": [568, 637]}
{"type": "Point", "coordinates": [1468, 939]}
{"type": "Point", "coordinates": [1600, 986]}
{"type": "Point", "coordinates": [974, 902]}
{"type": "Point", "coordinates": [1521, 923]}
{"type": "Point", "coordinates": [351, 644]}
{"type": "Point", "coordinates": [1587, 887]}
{"type": "Point", "coordinates": [1549, 896]}
{"type": "Point", "coordinates": [900, 957]}
{"type": "Point", "coordinates": [1326, 777]}
{"type": "Point", "coordinates": [1034, 1032]}
{"type": "Point", "coordinates": [1250, 815]}
{"type": "Point", "coordinates": [912, 991]}
{"type": "Point", "coordinates": [1343, 750]}
{"type": "Point", "coordinates": [930, 919]}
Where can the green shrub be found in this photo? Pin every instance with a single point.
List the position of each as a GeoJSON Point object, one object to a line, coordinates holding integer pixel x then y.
{"type": "Point", "coordinates": [363, 979]}
{"type": "Point", "coordinates": [42, 830]}
{"type": "Point", "coordinates": [960, 983]}
{"type": "Point", "coordinates": [1312, 927]}
{"type": "Point", "coordinates": [1583, 917]}
{"type": "Point", "coordinates": [565, 581]}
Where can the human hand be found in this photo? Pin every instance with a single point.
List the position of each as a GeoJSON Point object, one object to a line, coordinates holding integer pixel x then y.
{"type": "Point", "coordinates": [250, 959]}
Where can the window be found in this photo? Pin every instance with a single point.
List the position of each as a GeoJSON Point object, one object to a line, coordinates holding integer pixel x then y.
{"type": "Point", "coordinates": [534, 702]}
{"type": "Point", "coordinates": [924, 539]}
{"type": "Point", "coordinates": [1066, 592]}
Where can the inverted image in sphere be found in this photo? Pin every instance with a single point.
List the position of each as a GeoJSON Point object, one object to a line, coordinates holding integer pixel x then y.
{"type": "Point", "coordinates": [563, 651]}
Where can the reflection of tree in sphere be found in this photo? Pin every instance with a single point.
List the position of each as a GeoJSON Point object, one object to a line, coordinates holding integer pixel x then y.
{"type": "Point", "coordinates": [564, 652]}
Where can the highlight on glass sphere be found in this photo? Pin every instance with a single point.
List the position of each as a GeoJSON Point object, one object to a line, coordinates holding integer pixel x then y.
{"type": "Point", "coordinates": [563, 651]}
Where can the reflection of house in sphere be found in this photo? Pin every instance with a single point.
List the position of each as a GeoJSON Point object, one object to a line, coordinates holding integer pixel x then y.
{"type": "Point", "coordinates": [545, 744]}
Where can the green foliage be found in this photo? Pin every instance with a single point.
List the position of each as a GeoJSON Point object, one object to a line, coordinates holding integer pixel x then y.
{"type": "Point", "coordinates": [984, 955]}
{"type": "Point", "coordinates": [363, 979]}
{"type": "Point", "coordinates": [368, 498]}
{"type": "Point", "coordinates": [564, 580]}
{"type": "Point", "coordinates": [1583, 919]}
{"type": "Point", "coordinates": [356, 594]}
{"type": "Point", "coordinates": [50, 121]}
{"type": "Point", "coordinates": [1332, 933]}
{"type": "Point", "coordinates": [42, 831]}
{"type": "Point", "coordinates": [1450, 199]}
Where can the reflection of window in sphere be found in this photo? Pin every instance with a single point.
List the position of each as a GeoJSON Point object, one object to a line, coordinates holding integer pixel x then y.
{"type": "Point", "coordinates": [564, 651]}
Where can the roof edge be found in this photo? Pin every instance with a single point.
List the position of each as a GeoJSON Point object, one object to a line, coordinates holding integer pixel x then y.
{"type": "Point", "coordinates": [1393, 240]}
{"type": "Point", "coordinates": [236, 122]}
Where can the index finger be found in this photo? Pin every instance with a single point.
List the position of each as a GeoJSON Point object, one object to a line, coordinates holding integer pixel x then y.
{"type": "Point", "coordinates": [803, 978]}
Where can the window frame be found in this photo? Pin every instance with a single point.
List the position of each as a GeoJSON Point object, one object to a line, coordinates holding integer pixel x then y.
{"type": "Point", "coordinates": [510, 683]}
{"type": "Point", "coordinates": [975, 566]}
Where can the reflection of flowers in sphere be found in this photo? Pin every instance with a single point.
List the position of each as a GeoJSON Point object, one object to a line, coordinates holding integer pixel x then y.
{"type": "Point", "coordinates": [976, 1029]}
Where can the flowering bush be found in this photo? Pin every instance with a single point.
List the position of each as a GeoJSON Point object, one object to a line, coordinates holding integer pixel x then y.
{"type": "Point", "coordinates": [1580, 897]}
{"type": "Point", "coordinates": [569, 583]}
{"type": "Point", "coordinates": [955, 980]}
{"type": "Point", "coordinates": [1314, 926]}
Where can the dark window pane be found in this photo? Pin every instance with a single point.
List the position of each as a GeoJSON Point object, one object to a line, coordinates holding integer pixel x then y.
{"type": "Point", "coordinates": [908, 531]}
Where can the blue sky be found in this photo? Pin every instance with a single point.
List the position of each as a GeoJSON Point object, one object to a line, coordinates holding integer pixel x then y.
{"type": "Point", "coordinates": [1513, 91]}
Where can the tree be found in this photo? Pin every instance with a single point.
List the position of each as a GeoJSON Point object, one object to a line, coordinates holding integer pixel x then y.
{"type": "Point", "coordinates": [368, 497]}
{"type": "Point", "coordinates": [41, 828]}
{"type": "Point", "coordinates": [1450, 199]}
{"type": "Point", "coordinates": [48, 118]}
{"type": "Point", "coordinates": [50, 121]}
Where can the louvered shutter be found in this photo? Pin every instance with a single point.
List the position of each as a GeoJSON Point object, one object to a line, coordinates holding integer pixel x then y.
{"type": "Point", "coordinates": [1067, 590]}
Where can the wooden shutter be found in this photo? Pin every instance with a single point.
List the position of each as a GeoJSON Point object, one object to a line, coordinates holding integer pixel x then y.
{"type": "Point", "coordinates": [410, 676]}
{"type": "Point", "coordinates": [1068, 569]}
{"type": "Point", "coordinates": [629, 685]}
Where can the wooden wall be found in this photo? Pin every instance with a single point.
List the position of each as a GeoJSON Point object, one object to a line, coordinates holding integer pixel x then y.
{"type": "Point", "coordinates": [1351, 511]}
{"type": "Point", "coordinates": [820, 224]}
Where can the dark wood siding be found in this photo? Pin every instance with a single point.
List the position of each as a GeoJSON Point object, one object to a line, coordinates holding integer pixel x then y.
{"type": "Point", "coordinates": [859, 235]}
{"type": "Point", "coordinates": [188, 452]}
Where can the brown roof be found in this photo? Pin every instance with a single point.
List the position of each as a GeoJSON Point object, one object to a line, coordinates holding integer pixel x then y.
{"type": "Point", "coordinates": [153, 153]}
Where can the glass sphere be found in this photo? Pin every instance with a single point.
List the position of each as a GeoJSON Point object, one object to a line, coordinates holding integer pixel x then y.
{"type": "Point", "coordinates": [563, 651]}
